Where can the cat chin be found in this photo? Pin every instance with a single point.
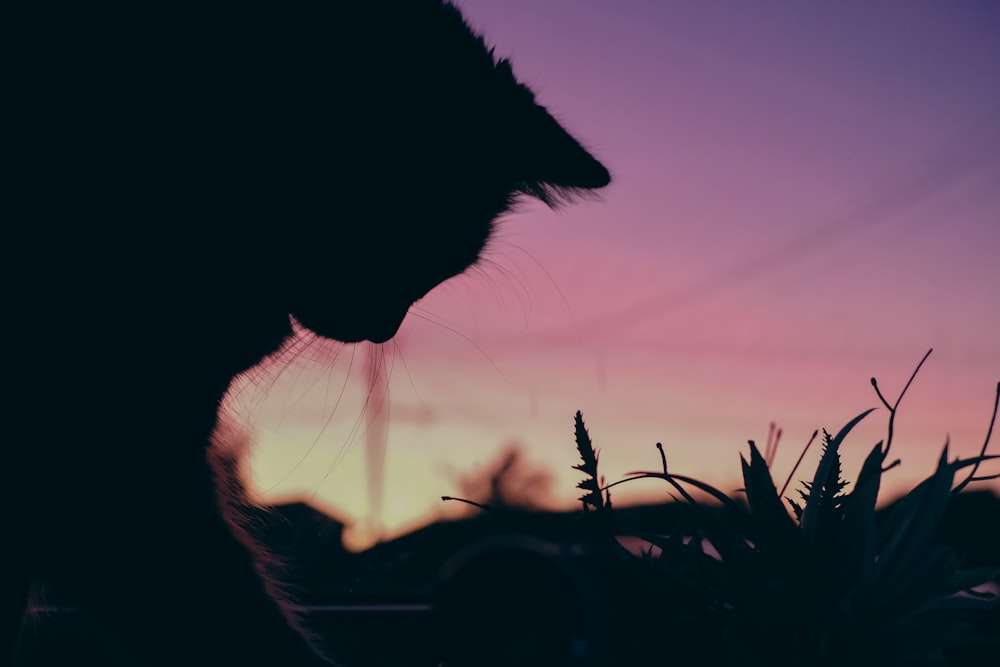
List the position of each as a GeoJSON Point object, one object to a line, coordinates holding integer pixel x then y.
{"type": "Point", "coordinates": [351, 329]}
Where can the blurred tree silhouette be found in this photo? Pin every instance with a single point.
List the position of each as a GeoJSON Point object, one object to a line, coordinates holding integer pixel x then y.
{"type": "Point", "coordinates": [508, 482]}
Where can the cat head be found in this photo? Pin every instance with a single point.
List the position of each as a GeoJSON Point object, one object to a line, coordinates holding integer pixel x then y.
{"type": "Point", "coordinates": [407, 182]}
{"type": "Point", "coordinates": [342, 158]}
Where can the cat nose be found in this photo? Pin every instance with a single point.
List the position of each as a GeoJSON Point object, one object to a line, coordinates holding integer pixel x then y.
{"type": "Point", "coordinates": [353, 325]}
{"type": "Point", "coordinates": [385, 330]}
{"type": "Point", "coordinates": [377, 325]}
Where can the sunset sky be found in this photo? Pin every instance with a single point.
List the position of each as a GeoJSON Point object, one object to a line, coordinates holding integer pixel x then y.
{"type": "Point", "coordinates": [805, 195]}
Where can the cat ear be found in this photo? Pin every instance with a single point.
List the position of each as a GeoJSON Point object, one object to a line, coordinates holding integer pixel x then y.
{"type": "Point", "coordinates": [552, 165]}
{"type": "Point", "coordinates": [557, 159]}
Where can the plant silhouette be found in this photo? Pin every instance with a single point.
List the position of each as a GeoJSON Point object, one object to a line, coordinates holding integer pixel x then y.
{"type": "Point", "coordinates": [185, 180]}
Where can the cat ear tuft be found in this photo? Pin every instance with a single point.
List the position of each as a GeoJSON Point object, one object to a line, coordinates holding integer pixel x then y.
{"type": "Point", "coordinates": [549, 163]}
{"type": "Point", "coordinates": [557, 168]}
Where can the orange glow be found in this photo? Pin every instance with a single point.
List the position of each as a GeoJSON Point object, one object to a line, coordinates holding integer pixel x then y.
{"type": "Point", "coordinates": [793, 211]}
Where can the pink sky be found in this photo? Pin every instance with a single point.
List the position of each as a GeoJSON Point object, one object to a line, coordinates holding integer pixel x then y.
{"type": "Point", "coordinates": [802, 199]}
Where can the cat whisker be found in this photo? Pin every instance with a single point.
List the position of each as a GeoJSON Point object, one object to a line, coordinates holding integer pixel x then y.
{"type": "Point", "coordinates": [357, 431]}
{"type": "Point", "coordinates": [509, 277]}
{"type": "Point", "coordinates": [288, 409]}
{"type": "Point", "coordinates": [548, 276]}
{"type": "Point", "coordinates": [460, 290]}
{"type": "Point", "coordinates": [399, 355]}
{"type": "Point", "coordinates": [266, 374]}
{"type": "Point", "coordinates": [271, 371]}
{"type": "Point", "coordinates": [433, 320]}
{"type": "Point", "coordinates": [326, 423]}
{"type": "Point", "coordinates": [377, 430]}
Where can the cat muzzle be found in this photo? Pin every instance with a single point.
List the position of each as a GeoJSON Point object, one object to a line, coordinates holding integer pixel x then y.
{"type": "Point", "coordinates": [353, 326]}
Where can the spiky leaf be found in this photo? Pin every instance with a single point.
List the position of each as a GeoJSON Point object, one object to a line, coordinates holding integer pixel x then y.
{"type": "Point", "coordinates": [811, 511]}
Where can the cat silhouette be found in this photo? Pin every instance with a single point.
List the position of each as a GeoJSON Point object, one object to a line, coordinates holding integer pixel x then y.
{"type": "Point", "coordinates": [185, 180]}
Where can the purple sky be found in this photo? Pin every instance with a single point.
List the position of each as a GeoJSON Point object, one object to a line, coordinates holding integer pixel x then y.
{"type": "Point", "coordinates": [804, 196]}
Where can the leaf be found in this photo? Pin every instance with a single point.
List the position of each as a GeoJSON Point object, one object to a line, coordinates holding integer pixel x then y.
{"type": "Point", "coordinates": [585, 447]}
{"type": "Point", "coordinates": [737, 556]}
{"type": "Point", "coordinates": [910, 526]}
{"type": "Point", "coordinates": [796, 509]}
{"type": "Point", "coordinates": [673, 478]}
{"type": "Point", "coordinates": [810, 514]}
{"type": "Point", "coordinates": [859, 536]}
{"type": "Point", "coordinates": [593, 497]}
{"type": "Point", "coordinates": [776, 530]}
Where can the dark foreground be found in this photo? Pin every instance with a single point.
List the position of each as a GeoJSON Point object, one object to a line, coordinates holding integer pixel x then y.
{"type": "Point", "coordinates": [506, 588]}
{"type": "Point", "coordinates": [363, 634]}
